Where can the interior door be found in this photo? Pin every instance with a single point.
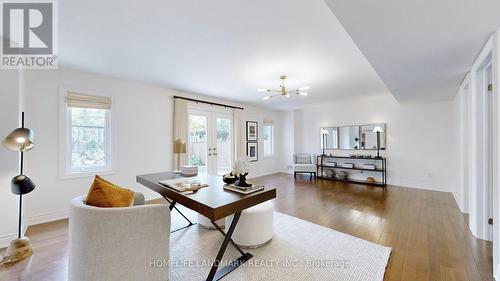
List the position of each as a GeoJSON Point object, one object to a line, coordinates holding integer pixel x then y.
{"type": "Point", "coordinates": [210, 145]}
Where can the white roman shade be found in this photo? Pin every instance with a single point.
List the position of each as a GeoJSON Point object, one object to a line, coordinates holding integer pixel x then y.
{"type": "Point", "coordinates": [268, 122]}
{"type": "Point", "coordinates": [87, 101]}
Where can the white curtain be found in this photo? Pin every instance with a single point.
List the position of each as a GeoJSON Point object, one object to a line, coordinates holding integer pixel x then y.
{"type": "Point", "coordinates": [181, 125]}
{"type": "Point", "coordinates": [239, 134]}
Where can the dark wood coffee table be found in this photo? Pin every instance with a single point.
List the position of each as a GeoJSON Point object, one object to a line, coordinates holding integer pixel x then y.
{"type": "Point", "coordinates": [214, 203]}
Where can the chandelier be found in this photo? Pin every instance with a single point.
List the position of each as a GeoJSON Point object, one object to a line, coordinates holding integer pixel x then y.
{"type": "Point", "coordinates": [283, 91]}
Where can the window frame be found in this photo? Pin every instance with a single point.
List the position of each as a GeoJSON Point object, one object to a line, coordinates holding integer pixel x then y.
{"type": "Point", "coordinates": [272, 154]}
{"type": "Point", "coordinates": [65, 138]}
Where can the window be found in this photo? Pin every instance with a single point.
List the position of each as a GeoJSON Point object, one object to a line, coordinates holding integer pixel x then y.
{"type": "Point", "coordinates": [267, 133]}
{"type": "Point", "coordinates": [88, 134]}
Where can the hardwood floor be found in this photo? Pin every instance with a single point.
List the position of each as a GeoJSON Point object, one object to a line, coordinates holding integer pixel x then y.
{"type": "Point", "coordinates": [428, 234]}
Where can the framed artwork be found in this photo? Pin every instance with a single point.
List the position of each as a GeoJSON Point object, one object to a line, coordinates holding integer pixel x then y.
{"type": "Point", "coordinates": [253, 151]}
{"type": "Point", "coordinates": [252, 131]}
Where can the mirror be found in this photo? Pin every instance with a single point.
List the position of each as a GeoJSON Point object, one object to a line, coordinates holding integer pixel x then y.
{"type": "Point", "coordinates": [330, 137]}
{"type": "Point", "coordinates": [369, 137]}
{"type": "Point", "coordinates": [349, 137]}
{"type": "Point", "coordinates": [353, 137]}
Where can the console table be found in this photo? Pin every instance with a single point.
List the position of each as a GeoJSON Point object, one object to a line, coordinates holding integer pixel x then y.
{"type": "Point", "coordinates": [380, 168]}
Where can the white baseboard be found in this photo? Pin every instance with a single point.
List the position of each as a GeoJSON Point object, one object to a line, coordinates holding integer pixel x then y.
{"type": "Point", "coordinates": [409, 184]}
{"type": "Point", "coordinates": [420, 185]}
{"type": "Point", "coordinates": [459, 203]}
{"type": "Point", "coordinates": [5, 239]}
{"type": "Point", "coordinates": [48, 217]}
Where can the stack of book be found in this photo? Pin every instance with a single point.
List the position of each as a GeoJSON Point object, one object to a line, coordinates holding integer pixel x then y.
{"type": "Point", "coordinates": [183, 184]}
{"type": "Point", "coordinates": [369, 166]}
{"type": "Point", "coordinates": [330, 163]}
{"type": "Point", "coordinates": [243, 190]}
{"type": "Point", "coordinates": [189, 171]}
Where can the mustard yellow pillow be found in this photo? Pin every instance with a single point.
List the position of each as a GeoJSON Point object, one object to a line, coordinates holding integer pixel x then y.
{"type": "Point", "coordinates": [104, 194]}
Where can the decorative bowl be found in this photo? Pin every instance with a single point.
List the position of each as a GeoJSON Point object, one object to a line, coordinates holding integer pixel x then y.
{"type": "Point", "coordinates": [229, 179]}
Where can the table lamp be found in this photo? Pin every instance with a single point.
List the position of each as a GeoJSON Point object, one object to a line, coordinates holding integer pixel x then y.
{"type": "Point", "coordinates": [324, 134]}
{"type": "Point", "coordinates": [179, 148]}
{"type": "Point", "coordinates": [378, 130]}
{"type": "Point", "coordinates": [20, 140]}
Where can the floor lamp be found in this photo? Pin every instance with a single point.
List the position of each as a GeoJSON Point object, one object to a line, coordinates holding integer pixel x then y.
{"type": "Point", "coordinates": [20, 140]}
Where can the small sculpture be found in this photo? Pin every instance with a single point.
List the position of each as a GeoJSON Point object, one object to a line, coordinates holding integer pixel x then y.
{"type": "Point", "coordinates": [241, 167]}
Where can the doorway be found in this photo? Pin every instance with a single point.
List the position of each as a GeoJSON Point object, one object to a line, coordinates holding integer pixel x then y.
{"type": "Point", "coordinates": [482, 209]}
{"type": "Point", "coordinates": [488, 153]}
{"type": "Point", "coordinates": [210, 141]}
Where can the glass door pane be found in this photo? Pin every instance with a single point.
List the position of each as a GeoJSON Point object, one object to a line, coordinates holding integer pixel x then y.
{"type": "Point", "coordinates": [197, 144]}
{"type": "Point", "coordinates": [224, 145]}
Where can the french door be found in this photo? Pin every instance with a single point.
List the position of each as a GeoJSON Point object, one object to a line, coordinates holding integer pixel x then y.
{"type": "Point", "coordinates": [210, 141]}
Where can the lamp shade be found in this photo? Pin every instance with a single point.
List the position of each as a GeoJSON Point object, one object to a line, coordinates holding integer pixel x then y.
{"type": "Point", "coordinates": [179, 146]}
{"type": "Point", "coordinates": [378, 129]}
{"type": "Point", "coordinates": [325, 132]}
{"type": "Point", "coordinates": [21, 139]}
{"type": "Point", "coordinates": [21, 185]}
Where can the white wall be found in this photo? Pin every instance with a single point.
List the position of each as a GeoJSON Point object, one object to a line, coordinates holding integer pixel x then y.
{"type": "Point", "coordinates": [142, 136]}
{"type": "Point", "coordinates": [421, 143]}
{"type": "Point", "coordinates": [265, 165]}
{"type": "Point", "coordinates": [461, 111]}
{"type": "Point", "coordinates": [9, 105]}
{"type": "Point", "coordinates": [286, 147]}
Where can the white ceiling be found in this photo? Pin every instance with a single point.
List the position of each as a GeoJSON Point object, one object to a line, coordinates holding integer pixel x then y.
{"type": "Point", "coordinates": [221, 48]}
{"type": "Point", "coordinates": [421, 49]}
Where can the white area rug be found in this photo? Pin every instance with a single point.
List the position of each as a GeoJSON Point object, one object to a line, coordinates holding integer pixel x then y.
{"type": "Point", "coordinates": [300, 250]}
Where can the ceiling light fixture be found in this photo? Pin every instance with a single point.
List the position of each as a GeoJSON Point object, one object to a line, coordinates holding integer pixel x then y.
{"type": "Point", "coordinates": [283, 91]}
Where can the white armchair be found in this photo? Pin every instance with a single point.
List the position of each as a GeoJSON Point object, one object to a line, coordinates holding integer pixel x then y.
{"type": "Point", "coordinates": [119, 244]}
{"type": "Point", "coordinates": [304, 163]}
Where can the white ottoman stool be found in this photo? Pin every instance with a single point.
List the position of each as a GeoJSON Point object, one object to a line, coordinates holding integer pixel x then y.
{"type": "Point", "coordinates": [205, 222]}
{"type": "Point", "coordinates": [255, 226]}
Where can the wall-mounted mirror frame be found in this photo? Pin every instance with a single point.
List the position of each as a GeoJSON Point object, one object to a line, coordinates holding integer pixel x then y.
{"type": "Point", "coordinates": [355, 137]}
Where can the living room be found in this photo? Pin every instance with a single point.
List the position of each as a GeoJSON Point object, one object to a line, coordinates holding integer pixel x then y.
{"type": "Point", "coordinates": [288, 126]}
